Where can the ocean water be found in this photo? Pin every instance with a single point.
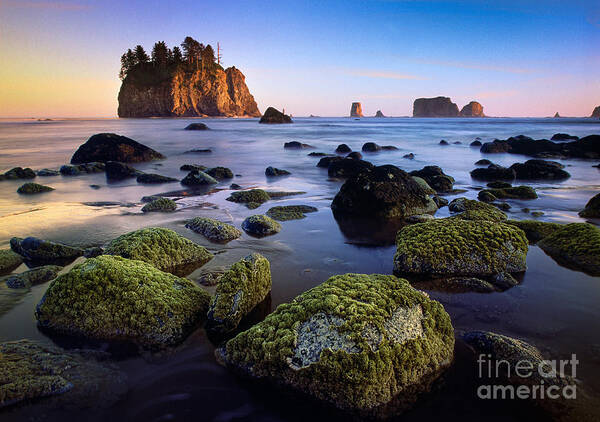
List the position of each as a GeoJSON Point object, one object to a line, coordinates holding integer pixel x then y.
{"type": "Point", "coordinates": [554, 308]}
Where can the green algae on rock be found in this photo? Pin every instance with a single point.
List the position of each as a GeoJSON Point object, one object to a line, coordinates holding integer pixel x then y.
{"type": "Point", "coordinates": [455, 247]}
{"type": "Point", "coordinates": [32, 371]}
{"type": "Point", "coordinates": [32, 277]}
{"type": "Point", "coordinates": [249, 197]}
{"type": "Point", "coordinates": [163, 248]}
{"type": "Point", "coordinates": [470, 209]}
{"type": "Point", "coordinates": [290, 212]}
{"type": "Point", "coordinates": [220, 173]}
{"type": "Point", "coordinates": [40, 252]}
{"type": "Point", "coordinates": [421, 182]}
{"type": "Point", "coordinates": [536, 230]}
{"type": "Point", "coordinates": [214, 230]}
{"type": "Point", "coordinates": [198, 178]}
{"type": "Point", "coordinates": [516, 192]}
{"type": "Point", "coordinates": [31, 188]}
{"type": "Point", "coordinates": [9, 261]}
{"type": "Point", "coordinates": [239, 290]}
{"type": "Point", "coordinates": [592, 208]}
{"type": "Point", "coordinates": [260, 225]}
{"type": "Point", "coordinates": [160, 205]}
{"type": "Point", "coordinates": [575, 246]}
{"type": "Point", "coordinates": [114, 298]}
{"type": "Point", "coordinates": [368, 344]}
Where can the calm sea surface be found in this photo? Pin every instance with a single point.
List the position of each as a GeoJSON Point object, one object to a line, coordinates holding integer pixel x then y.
{"type": "Point", "coordinates": [554, 308]}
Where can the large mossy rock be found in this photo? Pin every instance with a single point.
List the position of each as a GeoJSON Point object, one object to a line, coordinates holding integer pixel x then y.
{"type": "Point", "coordinates": [536, 230]}
{"type": "Point", "coordinates": [113, 298]}
{"type": "Point", "coordinates": [39, 252]}
{"type": "Point", "coordinates": [9, 261]}
{"type": "Point", "coordinates": [31, 371]}
{"type": "Point", "coordinates": [260, 225]}
{"type": "Point", "coordinates": [239, 290]}
{"type": "Point", "coordinates": [112, 147]}
{"type": "Point", "coordinates": [253, 198]}
{"type": "Point", "coordinates": [160, 205]}
{"type": "Point", "coordinates": [290, 212]}
{"type": "Point", "coordinates": [469, 209]}
{"type": "Point", "coordinates": [368, 344]}
{"type": "Point", "coordinates": [214, 230]}
{"type": "Point", "coordinates": [513, 192]}
{"type": "Point", "coordinates": [540, 170]}
{"type": "Point", "coordinates": [592, 208]}
{"type": "Point", "coordinates": [385, 192]}
{"type": "Point", "coordinates": [455, 247]}
{"type": "Point", "coordinates": [162, 248]}
{"type": "Point", "coordinates": [576, 246]}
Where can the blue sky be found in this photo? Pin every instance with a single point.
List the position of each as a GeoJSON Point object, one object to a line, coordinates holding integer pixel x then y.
{"type": "Point", "coordinates": [518, 58]}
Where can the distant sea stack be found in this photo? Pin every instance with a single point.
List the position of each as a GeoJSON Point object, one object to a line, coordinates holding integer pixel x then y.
{"type": "Point", "coordinates": [596, 113]}
{"type": "Point", "coordinates": [473, 109]}
{"type": "Point", "coordinates": [272, 115]}
{"type": "Point", "coordinates": [379, 114]}
{"type": "Point", "coordinates": [434, 107]}
{"type": "Point", "coordinates": [356, 110]}
{"type": "Point", "coordinates": [173, 83]}
{"type": "Point", "coordinates": [556, 115]}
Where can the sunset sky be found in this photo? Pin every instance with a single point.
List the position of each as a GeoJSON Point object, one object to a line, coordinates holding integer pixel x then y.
{"type": "Point", "coordinates": [518, 58]}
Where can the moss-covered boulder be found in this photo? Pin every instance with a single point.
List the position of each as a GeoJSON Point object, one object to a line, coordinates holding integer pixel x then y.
{"type": "Point", "coordinates": [515, 192]}
{"type": "Point", "coordinates": [31, 371]}
{"type": "Point", "coordinates": [214, 230]}
{"type": "Point", "coordinates": [250, 197]}
{"type": "Point", "coordinates": [428, 189]}
{"type": "Point", "coordinates": [536, 230]}
{"type": "Point", "coordinates": [113, 298]}
{"type": "Point", "coordinates": [9, 261]}
{"type": "Point", "coordinates": [368, 344]}
{"type": "Point", "coordinates": [469, 209]}
{"type": "Point", "coordinates": [436, 178]}
{"type": "Point", "coordinates": [385, 192]}
{"type": "Point", "coordinates": [163, 248]}
{"type": "Point", "coordinates": [576, 246]}
{"type": "Point", "coordinates": [198, 178]}
{"type": "Point", "coordinates": [290, 212]}
{"type": "Point", "coordinates": [153, 179]}
{"type": "Point", "coordinates": [160, 205]}
{"type": "Point", "coordinates": [18, 173]}
{"type": "Point", "coordinates": [592, 208]}
{"type": "Point", "coordinates": [455, 247]}
{"type": "Point", "coordinates": [32, 277]}
{"type": "Point", "coordinates": [260, 225]}
{"type": "Point", "coordinates": [239, 290]}
{"type": "Point", "coordinates": [220, 173]}
{"type": "Point", "coordinates": [33, 188]}
{"type": "Point", "coordinates": [39, 252]}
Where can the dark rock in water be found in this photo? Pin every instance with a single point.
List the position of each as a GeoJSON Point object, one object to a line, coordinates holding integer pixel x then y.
{"type": "Point", "coordinates": [473, 109]}
{"type": "Point", "coordinates": [260, 225]}
{"type": "Point", "coordinates": [160, 205]}
{"type": "Point", "coordinates": [597, 166]}
{"type": "Point", "coordinates": [355, 155]}
{"type": "Point", "coordinates": [504, 206]}
{"type": "Point", "coordinates": [326, 161]}
{"type": "Point", "coordinates": [239, 290]}
{"type": "Point", "coordinates": [273, 115]}
{"type": "Point", "coordinates": [33, 188]}
{"type": "Point", "coordinates": [33, 277]}
{"type": "Point", "coordinates": [335, 329]}
{"type": "Point", "coordinates": [483, 162]}
{"type": "Point", "coordinates": [199, 151]}
{"type": "Point", "coordinates": [540, 170]}
{"type": "Point", "coordinates": [18, 173]}
{"type": "Point", "coordinates": [379, 114]}
{"type": "Point", "coordinates": [290, 212]}
{"type": "Point", "coordinates": [371, 147]}
{"type": "Point", "coordinates": [150, 198]}
{"type": "Point", "coordinates": [493, 172]}
{"type": "Point", "coordinates": [150, 178]}
{"type": "Point", "coordinates": [85, 168]}
{"type": "Point", "coordinates": [192, 167]}
{"type": "Point", "coordinates": [592, 208]}
{"type": "Point", "coordinates": [382, 192]}
{"type": "Point", "coordinates": [576, 246]}
{"type": "Point", "coordinates": [47, 173]}
{"type": "Point", "coordinates": [198, 178]}
{"type": "Point", "coordinates": [235, 186]}
{"type": "Point", "coordinates": [472, 210]}
{"type": "Point", "coordinates": [213, 230]}
{"type": "Point", "coordinates": [434, 107]}
{"type": "Point", "coordinates": [343, 149]}
{"type": "Point", "coordinates": [436, 178]}
{"type": "Point", "coordinates": [440, 201]}
{"type": "Point", "coordinates": [281, 194]}
{"type": "Point", "coordinates": [475, 144]}
{"type": "Point", "coordinates": [499, 185]}
{"type": "Point", "coordinates": [171, 305]}
{"type": "Point", "coordinates": [220, 173]}
{"type": "Point", "coordinates": [457, 143]}
{"type": "Point", "coordinates": [348, 167]}
{"type": "Point", "coordinates": [120, 171]}
{"type": "Point", "coordinates": [112, 147]}
{"type": "Point", "coordinates": [486, 196]}
{"type": "Point", "coordinates": [196, 126]}
{"type": "Point", "coordinates": [39, 252]}
{"type": "Point", "coordinates": [273, 172]}
{"type": "Point", "coordinates": [252, 196]}
{"type": "Point", "coordinates": [93, 252]}
{"type": "Point", "coordinates": [586, 147]}
{"type": "Point", "coordinates": [409, 156]}
{"type": "Point", "coordinates": [9, 261]}
{"type": "Point", "coordinates": [563, 137]}
{"type": "Point", "coordinates": [444, 142]}
{"type": "Point", "coordinates": [318, 154]}
{"type": "Point", "coordinates": [389, 148]}
{"type": "Point", "coordinates": [296, 145]}
{"type": "Point", "coordinates": [516, 192]}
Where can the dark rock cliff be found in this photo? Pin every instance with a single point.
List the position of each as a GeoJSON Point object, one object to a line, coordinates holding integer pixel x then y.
{"type": "Point", "coordinates": [434, 107]}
